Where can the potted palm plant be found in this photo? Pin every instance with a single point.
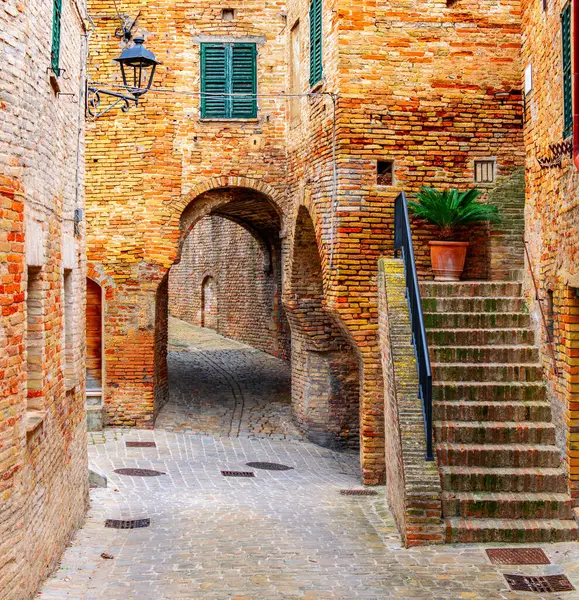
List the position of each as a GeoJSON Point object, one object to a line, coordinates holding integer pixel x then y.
{"type": "Point", "coordinates": [451, 209]}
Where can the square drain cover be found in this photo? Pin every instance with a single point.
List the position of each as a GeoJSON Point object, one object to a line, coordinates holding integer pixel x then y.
{"type": "Point", "coordinates": [358, 492]}
{"type": "Point", "coordinates": [238, 473]}
{"type": "Point", "coordinates": [518, 556]}
{"type": "Point", "coordinates": [130, 524]}
{"type": "Point", "coordinates": [141, 445]}
{"type": "Point", "coordinates": [546, 583]}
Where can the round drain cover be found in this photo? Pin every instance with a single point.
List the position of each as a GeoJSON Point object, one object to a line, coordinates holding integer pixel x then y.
{"type": "Point", "coordinates": [269, 466]}
{"type": "Point", "coordinates": [139, 472]}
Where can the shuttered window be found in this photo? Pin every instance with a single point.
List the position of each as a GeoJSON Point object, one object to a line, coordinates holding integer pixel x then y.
{"type": "Point", "coordinates": [567, 74]}
{"type": "Point", "coordinates": [316, 68]}
{"type": "Point", "coordinates": [228, 81]}
{"type": "Point", "coordinates": [55, 49]}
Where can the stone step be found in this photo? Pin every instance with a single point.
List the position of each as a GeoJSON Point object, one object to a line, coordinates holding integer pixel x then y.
{"type": "Point", "coordinates": [494, 432]}
{"type": "Point", "coordinates": [484, 354]}
{"type": "Point", "coordinates": [482, 320]}
{"type": "Point", "coordinates": [469, 304]}
{"type": "Point", "coordinates": [498, 455]}
{"type": "Point", "coordinates": [482, 391]}
{"type": "Point", "coordinates": [431, 289]}
{"type": "Point", "coordinates": [488, 372]}
{"type": "Point", "coordinates": [480, 337]}
{"type": "Point", "coordinates": [509, 531]}
{"type": "Point", "coordinates": [492, 411]}
{"type": "Point", "coordinates": [484, 479]}
{"type": "Point", "coordinates": [507, 505]}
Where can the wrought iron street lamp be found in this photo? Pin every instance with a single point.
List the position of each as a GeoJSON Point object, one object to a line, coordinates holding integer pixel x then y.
{"type": "Point", "coordinates": [137, 68]}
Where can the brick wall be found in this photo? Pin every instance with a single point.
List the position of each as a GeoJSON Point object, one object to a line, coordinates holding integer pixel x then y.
{"type": "Point", "coordinates": [432, 87]}
{"type": "Point", "coordinates": [225, 281]}
{"type": "Point", "coordinates": [43, 457]}
{"type": "Point", "coordinates": [413, 489]}
{"type": "Point", "coordinates": [552, 222]}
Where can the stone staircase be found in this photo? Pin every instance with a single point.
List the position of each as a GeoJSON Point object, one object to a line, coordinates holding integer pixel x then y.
{"type": "Point", "coordinates": [500, 470]}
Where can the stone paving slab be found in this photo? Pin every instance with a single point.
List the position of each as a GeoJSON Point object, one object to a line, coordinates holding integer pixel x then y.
{"type": "Point", "coordinates": [283, 534]}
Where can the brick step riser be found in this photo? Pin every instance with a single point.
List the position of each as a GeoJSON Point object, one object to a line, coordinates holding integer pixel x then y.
{"type": "Point", "coordinates": [510, 536]}
{"type": "Point", "coordinates": [503, 411]}
{"type": "Point", "coordinates": [500, 482]}
{"type": "Point", "coordinates": [480, 337]}
{"type": "Point", "coordinates": [490, 434]}
{"type": "Point", "coordinates": [512, 355]}
{"type": "Point", "coordinates": [511, 509]}
{"type": "Point", "coordinates": [433, 289]}
{"type": "Point", "coordinates": [463, 392]}
{"type": "Point", "coordinates": [489, 372]}
{"type": "Point", "coordinates": [503, 458]}
{"type": "Point", "coordinates": [469, 305]}
{"type": "Point", "coordinates": [476, 320]}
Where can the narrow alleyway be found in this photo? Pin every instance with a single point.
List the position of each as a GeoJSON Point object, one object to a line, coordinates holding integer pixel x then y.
{"type": "Point", "coordinates": [221, 387]}
{"type": "Point", "coordinates": [279, 534]}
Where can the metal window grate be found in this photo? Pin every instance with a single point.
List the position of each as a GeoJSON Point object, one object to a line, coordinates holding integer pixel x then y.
{"type": "Point", "coordinates": [517, 556]}
{"type": "Point", "coordinates": [484, 171]}
{"type": "Point", "coordinates": [531, 583]}
{"type": "Point", "coordinates": [267, 466]}
{"type": "Point", "coordinates": [127, 524]}
{"type": "Point", "coordinates": [238, 473]}
{"type": "Point", "coordinates": [358, 492]}
{"type": "Point", "coordinates": [141, 445]}
{"type": "Point", "coordinates": [139, 472]}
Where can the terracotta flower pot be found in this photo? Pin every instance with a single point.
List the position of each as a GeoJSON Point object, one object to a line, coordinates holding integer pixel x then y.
{"type": "Point", "coordinates": [447, 260]}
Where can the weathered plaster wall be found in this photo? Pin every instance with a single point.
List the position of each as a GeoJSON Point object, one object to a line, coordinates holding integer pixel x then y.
{"type": "Point", "coordinates": [43, 454]}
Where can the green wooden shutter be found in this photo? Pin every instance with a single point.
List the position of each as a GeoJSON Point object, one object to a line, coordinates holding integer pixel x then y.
{"type": "Point", "coordinates": [567, 74]}
{"type": "Point", "coordinates": [316, 68]}
{"type": "Point", "coordinates": [55, 50]}
{"type": "Point", "coordinates": [243, 81]}
{"type": "Point", "coordinates": [214, 78]}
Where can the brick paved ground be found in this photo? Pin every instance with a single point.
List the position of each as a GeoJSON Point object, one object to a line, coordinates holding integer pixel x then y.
{"type": "Point", "coordinates": [279, 535]}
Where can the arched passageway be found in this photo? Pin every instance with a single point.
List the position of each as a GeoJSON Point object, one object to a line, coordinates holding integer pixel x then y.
{"type": "Point", "coordinates": [325, 367]}
{"type": "Point", "coordinates": [227, 281]}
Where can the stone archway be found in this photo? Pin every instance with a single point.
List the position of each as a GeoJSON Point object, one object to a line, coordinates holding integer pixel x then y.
{"type": "Point", "coordinates": [325, 367]}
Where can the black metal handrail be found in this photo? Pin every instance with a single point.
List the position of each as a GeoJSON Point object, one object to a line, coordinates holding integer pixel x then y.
{"type": "Point", "coordinates": [403, 242]}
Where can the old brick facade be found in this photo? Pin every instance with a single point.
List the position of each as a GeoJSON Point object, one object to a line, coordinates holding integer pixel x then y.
{"type": "Point", "coordinates": [432, 87]}
{"type": "Point", "coordinates": [43, 456]}
{"type": "Point", "coordinates": [225, 281]}
{"type": "Point", "coordinates": [552, 221]}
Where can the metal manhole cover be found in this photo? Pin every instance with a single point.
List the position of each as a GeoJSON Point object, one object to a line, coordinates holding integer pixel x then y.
{"type": "Point", "coordinates": [127, 524]}
{"type": "Point", "coordinates": [358, 492]}
{"type": "Point", "coordinates": [518, 556]}
{"type": "Point", "coordinates": [238, 473]}
{"type": "Point", "coordinates": [544, 584]}
{"type": "Point", "coordinates": [141, 445]}
{"type": "Point", "coordinates": [267, 466]}
{"type": "Point", "coordinates": [139, 472]}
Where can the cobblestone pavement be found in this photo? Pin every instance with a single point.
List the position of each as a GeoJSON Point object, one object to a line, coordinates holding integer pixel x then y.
{"type": "Point", "coordinates": [282, 534]}
{"type": "Point", "coordinates": [221, 387]}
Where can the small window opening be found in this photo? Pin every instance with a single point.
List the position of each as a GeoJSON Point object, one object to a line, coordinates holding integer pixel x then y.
{"type": "Point", "coordinates": [385, 172]}
{"type": "Point", "coordinates": [68, 324]}
{"type": "Point", "coordinates": [228, 14]}
{"type": "Point", "coordinates": [34, 339]}
{"type": "Point", "coordinates": [550, 314]}
{"type": "Point", "coordinates": [484, 171]}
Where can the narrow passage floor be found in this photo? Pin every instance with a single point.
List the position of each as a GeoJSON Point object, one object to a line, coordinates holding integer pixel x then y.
{"type": "Point", "coordinates": [218, 386]}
